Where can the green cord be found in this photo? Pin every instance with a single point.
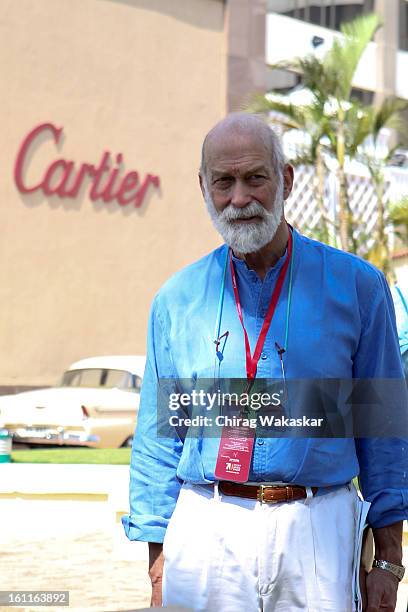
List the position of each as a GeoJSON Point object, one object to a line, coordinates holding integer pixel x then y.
{"type": "Point", "coordinates": [285, 346]}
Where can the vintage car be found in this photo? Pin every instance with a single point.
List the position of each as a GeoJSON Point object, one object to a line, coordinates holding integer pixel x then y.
{"type": "Point", "coordinates": [95, 404]}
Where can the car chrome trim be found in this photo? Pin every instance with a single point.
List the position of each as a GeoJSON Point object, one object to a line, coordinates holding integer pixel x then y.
{"type": "Point", "coordinates": [51, 436]}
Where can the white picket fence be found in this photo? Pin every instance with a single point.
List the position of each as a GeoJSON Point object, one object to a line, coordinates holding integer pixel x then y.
{"type": "Point", "coordinates": [302, 209]}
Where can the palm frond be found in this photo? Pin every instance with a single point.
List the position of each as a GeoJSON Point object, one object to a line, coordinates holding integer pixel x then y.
{"type": "Point", "coordinates": [358, 126]}
{"type": "Point", "coordinates": [398, 213]}
{"type": "Point", "coordinates": [343, 57]}
{"type": "Point", "coordinates": [388, 114]}
{"type": "Point", "coordinates": [294, 115]}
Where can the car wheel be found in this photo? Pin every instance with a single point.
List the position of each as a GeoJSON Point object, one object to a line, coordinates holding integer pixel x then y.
{"type": "Point", "coordinates": [128, 442]}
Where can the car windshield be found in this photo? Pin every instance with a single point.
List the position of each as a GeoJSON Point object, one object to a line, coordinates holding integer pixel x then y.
{"type": "Point", "coordinates": [100, 377]}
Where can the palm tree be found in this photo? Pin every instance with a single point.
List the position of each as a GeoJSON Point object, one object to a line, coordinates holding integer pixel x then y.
{"type": "Point", "coordinates": [310, 120]}
{"type": "Point", "coordinates": [329, 80]}
{"type": "Point", "coordinates": [377, 156]}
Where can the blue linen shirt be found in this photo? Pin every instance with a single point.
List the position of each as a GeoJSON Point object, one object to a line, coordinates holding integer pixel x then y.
{"type": "Point", "coordinates": [341, 325]}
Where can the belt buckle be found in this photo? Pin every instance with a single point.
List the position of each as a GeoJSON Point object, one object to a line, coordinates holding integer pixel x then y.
{"type": "Point", "coordinates": [260, 493]}
{"type": "Point", "coordinates": [260, 496]}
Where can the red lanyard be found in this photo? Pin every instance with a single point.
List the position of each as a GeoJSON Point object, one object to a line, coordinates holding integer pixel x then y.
{"type": "Point", "coordinates": [252, 362]}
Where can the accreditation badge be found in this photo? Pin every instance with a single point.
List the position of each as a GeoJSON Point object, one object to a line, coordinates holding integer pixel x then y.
{"type": "Point", "coordinates": [235, 453]}
{"type": "Point", "coordinates": [237, 440]}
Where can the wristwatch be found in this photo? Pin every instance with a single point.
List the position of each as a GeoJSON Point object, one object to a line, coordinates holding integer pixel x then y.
{"type": "Point", "coordinates": [397, 570]}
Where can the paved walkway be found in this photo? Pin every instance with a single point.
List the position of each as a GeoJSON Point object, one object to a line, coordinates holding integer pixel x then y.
{"type": "Point", "coordinates": [74, 546]}
{"type": "Point", "coordinates": [73, 540]}
{"type": "Point", "coordinates": [85, 566]}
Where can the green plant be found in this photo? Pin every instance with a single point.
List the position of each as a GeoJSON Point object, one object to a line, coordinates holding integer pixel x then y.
{"type": "Point", "coordinates": [337, 126]}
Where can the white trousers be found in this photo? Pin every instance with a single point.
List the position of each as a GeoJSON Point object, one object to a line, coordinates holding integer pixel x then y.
{"type": "Point", "coordinates": [229, 554]}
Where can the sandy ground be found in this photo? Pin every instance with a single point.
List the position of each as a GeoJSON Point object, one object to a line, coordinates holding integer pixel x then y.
{"type": "Point", "coordinates": [76, 546]}
{"type": "Point", "coordinates": [85, 566]}
{"type": "Point", "coordinates": [71, 546]}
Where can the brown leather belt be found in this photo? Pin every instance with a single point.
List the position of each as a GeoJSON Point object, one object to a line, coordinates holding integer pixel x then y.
{"type": "Point", "coordinates": [272, 494]}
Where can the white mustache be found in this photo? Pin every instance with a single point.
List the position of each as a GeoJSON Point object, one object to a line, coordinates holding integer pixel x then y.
{"type": "Point", "coordinates": [246, 237]}
{"type": "Point", "coordinates": [253, 209]}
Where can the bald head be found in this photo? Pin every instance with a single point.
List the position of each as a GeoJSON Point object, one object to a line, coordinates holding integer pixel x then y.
{"type": "Point", "coordinates": [243, 127]}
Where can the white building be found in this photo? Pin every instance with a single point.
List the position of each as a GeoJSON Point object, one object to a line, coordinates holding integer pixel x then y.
{"type": "Point", "coordinates": [296, 28]}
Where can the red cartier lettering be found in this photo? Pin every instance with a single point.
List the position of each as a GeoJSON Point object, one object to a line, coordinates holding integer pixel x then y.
{"type": "Point", "coordinates": [19, 166]}
{"type": "Point", "coordinates": [61, 178]}
{"type": "Point", "coordinates": [129, 183]}
{"type": "Point", "coordinates": [73, 192]}
{"type": "Point", "coordinates": [98, 174]}
{"type": "Point", "coordinates": [107, 195]}
{"type": "Point", "coordinates": [66, 168]}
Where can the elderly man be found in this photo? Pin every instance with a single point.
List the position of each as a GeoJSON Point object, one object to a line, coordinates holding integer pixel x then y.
{"type": "Point", "coordinates": [280, 536]}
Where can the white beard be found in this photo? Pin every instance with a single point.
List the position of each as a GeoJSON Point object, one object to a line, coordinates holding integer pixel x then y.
{"type": "Point", "coordinates": [248, 237]}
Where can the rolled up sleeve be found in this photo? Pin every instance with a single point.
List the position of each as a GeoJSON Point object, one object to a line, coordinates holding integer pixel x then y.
{"type": "Point", "coordinates": [154, 486]}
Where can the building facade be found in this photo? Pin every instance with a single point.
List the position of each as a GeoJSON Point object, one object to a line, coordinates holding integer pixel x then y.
{"type": "Point", "coordinates": [295, 28]}
{"type": "Point", "coordinates": [105, 104]}
{"type": "Point", "coordinates": [298, 27]}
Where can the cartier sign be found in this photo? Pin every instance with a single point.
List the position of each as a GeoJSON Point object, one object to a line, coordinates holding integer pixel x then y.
{"type": "Point", "coordinates": [64, 178]}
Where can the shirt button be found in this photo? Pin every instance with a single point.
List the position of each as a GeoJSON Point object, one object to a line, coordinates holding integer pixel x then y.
{"type": "Point", "coordinates": [264, 356]}
{"type": "Point", "coordinates": [260, 442]}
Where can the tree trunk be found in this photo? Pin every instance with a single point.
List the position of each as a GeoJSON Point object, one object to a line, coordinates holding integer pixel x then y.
{"type": "Point", "coordinates": [344, 218]}
{"type": "Point", "coordinates": [382, 238]}
{"type": "Point", "coordinates": [319, 193]}
{"type": "Point", "coordinates": [343, 196]}
{"type": "Point", "coordinates": [346, 222]}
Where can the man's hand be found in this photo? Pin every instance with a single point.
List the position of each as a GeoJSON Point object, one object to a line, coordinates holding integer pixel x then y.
{"type": "Point", "coordinates": [380, 593]}
{"type": "Point", "coordinates": [379, 589]}
{"type": "Point", "coordinates": [156, 562]}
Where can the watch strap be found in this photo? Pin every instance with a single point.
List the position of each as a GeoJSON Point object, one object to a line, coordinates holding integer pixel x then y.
{"type": "Point", "coordinates": [397, 570]}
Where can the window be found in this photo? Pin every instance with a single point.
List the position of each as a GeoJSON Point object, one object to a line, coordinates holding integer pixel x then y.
{"type": "Point", "coordinates": [327, 13]}
{"type": "Point", "coordinates": [101, 377]}
{"type": "Point", "coordinates": [365, 97]}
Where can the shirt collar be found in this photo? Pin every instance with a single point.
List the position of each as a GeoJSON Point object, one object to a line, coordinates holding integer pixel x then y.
{"type": "Point", "coordinates": [242, 267]}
